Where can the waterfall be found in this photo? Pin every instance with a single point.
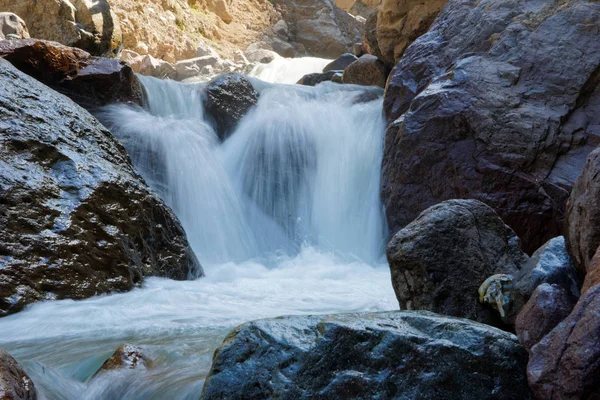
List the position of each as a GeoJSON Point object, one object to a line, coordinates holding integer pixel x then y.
{"type": "Point", "coordinates": [288, 70]}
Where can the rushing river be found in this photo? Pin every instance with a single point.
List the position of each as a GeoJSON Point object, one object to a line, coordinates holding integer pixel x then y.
{"type": "Point", "coordinates": [284, 216]}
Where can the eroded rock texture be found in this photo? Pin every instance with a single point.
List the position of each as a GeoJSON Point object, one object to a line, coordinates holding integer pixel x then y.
{"type": "Point", "coordinates": [15, 384]}
{"type": "Point", "coordinates": [498, 101]}
{"type": "Point", "coordinates": [75, 219]}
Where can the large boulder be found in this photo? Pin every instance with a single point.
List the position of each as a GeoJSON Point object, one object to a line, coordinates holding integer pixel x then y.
{"type": "Point", "coordinates": [368, 70]}
{"type": "Point", "coordinates": [439, 260]}
{"type": "Point", "coordinates": [398, 24]}
{"type": "Point", "coordinates": [228, 98]}
{"type": "Point", "coordinates": [76, 219]}
{"type": "Point", "coordinates": [87, 24]}
{"type": "Point", "coordinates": [340, 63]}
{"type": "Point", "coordinates": [547, 307]}
{"type": "Point", "coordinates": [592, 278]}
{"type": "Point", "coordinates": [90, 81]}
{"type": "Point", "coordinates": [12, 26]}
{"type": "Point", "coordinates": [390, 355]}
{"type": "Point", "coordinates": [15, 384]}
{"type": "Point", "coordinates": [490, 104]}
{"type": "Point", "coordinates": [565, 364]}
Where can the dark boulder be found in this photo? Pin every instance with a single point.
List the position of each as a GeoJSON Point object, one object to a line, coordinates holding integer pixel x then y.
{"type": "Point", "coordinates": [89, 81]}
{"type": "Point", "coordinates": [76, 220]}
{"type": "Point", "coordinates": [391, 355]}
{"type": "Point", "coordinates": [228, 98]}
{"type": "Point", "coordinates": [368, 70]}
{"type": "Point", "coordinates": [566, 363]}
{"type": "Point", "coordinates": [439, 261]}
{"type": "Point", "coordinates": [498, 101]}
{"type": "Point", "coordinates": [547, 307]}
{"type": "Point", "coordinates": [14, 382]}
{"type": "Point", "coordinates": [317, 77]}
{"type": "Point", "coordinates": [340, 63]}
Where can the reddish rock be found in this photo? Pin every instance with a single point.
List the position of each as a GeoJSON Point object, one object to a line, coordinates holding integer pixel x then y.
{"type": "Point", "coordinates": [14, 382]}
{"type": "Point", "coordinates": [127, 357]}
{"type": "Point", "coordinates": [566, 363]}
{"type": "Point", "coordinates": [368, 70]}
{"type": "Point", "coordinates": [592, 278]}
{"type": "Point", "coordinates": [89, 81]}
{"type": "Point", "coordinates": [547, 307]}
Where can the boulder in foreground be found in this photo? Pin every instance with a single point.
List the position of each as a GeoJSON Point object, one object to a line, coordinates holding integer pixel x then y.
{"type": "Point", "coordinates": [14, 382]}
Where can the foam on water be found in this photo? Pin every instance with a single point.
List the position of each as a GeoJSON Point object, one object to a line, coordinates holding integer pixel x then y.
{"type": "Point", "coordinates": [288, 70]}
{"type": "Point", "coordinates": [284, 215]}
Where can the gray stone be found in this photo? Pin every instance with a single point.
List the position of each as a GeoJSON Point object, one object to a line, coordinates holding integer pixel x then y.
{"type": "Point", "coordinates": [390, 355]}
{"type": "Point", "coordinates": [340, 63]}
{"type": "Point", "coordinates": [12, 26]}
{"type": "Point", "coordinates": [317, 77]}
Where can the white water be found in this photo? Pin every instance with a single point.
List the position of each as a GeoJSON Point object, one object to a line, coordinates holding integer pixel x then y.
{"type": "Point", "coordinates": [284, 215]}
{"type": "Point", "coordinates": [288, 70]}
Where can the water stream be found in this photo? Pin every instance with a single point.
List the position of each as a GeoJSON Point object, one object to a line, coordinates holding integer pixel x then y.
{"type": "Point", "coordinates": [284, 216]}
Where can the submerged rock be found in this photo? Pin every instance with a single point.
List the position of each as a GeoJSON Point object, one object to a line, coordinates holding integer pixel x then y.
{"type": "Point", "coordinates": [90, 81]}
{"type": "Point", "coordinates": [317, 77]}
{"type": "Point", "coordinates": [76, 219]}
{"type": "Point", "coordinates": [14, 382]}
{"type": "Point", "coordinates": [389, 355]}
{"type": "Point", "coordinates": [228, 98]}
{"type": "Point", "coordinates": [367, 70]}
{"type": "Point", "coordinates": [12, 26]}
{"type": "Point", "coordinates": [439, 260]}
{"type": "Point", "coordinates": [490, 104]}
{"type": "Point", "coordinates": [127, 357]}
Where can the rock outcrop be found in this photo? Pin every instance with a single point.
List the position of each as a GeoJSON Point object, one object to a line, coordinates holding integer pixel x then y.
{"type": "Point", "coordinates": [440, 259]}
{"type": "Point", "coordinates": [228, 99]}
{"type": "Point", "coordinates": [90, 81]}
{"type": "Point", "coordinates": [12, 27]}
{"type": "Point", "coordinates": [14, 382]}
{"type": "Point", "coordinates": [76, 219]}
{"type": "Point", "coordinates": [565, 364]}
{"type": "Point", "coordinates": [408, 355]}
{"type": "Point", "coordinates": [87, 24]}
{"type": "Point", "coordinates": [490, 104]}
{"type": "Point", "coordinates": [368, 70]}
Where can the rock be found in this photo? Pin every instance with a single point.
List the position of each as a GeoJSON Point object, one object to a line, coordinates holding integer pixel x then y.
{"type": "Point", "coordinates": [282, 48]}
{"type": "Point", "coordinates": [204, 50]}
{"type": "Point", "coordinates": [583, 214]}
{"type": "Point", "coordinates": [221, 9]}
{"type": "Point", "coordinates": [592, 278]}
{"type": "Point", "coordinates": [195, 67]}
{"type": "Point", "coordinates": [358, 50]}
{"type": "Point", "coordinates": [14, 382]}
{"type": "Point", "coordinates": [77, 220]}
{"type": "Point", "coordinates": [316, 78]}
{"type": "Point", "coordinates": [369, 42]}
{"type": "Point", "coordinates": [12, 24]}
{"type": "Point", "coordinates": [399, 23]}
{"type": "Point", "coordinates": [255, 54]}
{"type": "Point", "coordinates": [564, 365]}
{"type": "Point", "coordinates": [87, 24]}
{"type": "Point", "coordinates": [228, 98]}
{"type": "Point", "coordinates": [497, 291]}
{"type": "Point", "coordinates": [390, 355]}
{"type": "Point", "coordinates": [440, 259]}
{"type": "Point", "coordinates": [340, 63]}
{"type": "Point", "coordinates": [368, 70]}
{"type": "Point", "coordinates": [90, 81]}
{"type": "Point", "coordinates": [150, 66]}
{"type": "Point", "coordinates": [127, 357]}
{"type": "Point", "coordinates": [281, 29]}
{"type": "Point", "coordinates": [547, 307]}
{"type": "Point", "coordinates": [488, 105]}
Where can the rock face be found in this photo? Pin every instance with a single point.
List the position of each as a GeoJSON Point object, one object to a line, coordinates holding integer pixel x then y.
{"type": "Point", "coordinates": [14, 382]}
{"type": "Point", "coordinates": [547, 307]}
{"type": "Point", "coordinates": [340, 63]}
{"type": "Point", "coordinates": [440, 259]}
{"type": "Point", "coordinates": [398, 23]}
{"type": "Point", "coordinates": [583, 214]}
{"type": "Point", "coordinates": [489, 105]}
{"type": "Point", "coordinates": [12, 27]}
{"type": "Point", "coordinates": [228, 99]}
{"type": "Point", "coordinates": [368, 70]}
{"type": "Point", "coordinates": [87, 24]}
{"type": "Point", "coordinates": [89, 81]}
{"type": "Point", "coordinates": [76, 219]}
{"type": "Point", "coordinates": [564, 365]}
{"type": "Point", "coordinates": [392, 355]}
{"type": "Point", "coordinates": [592, 278]}
{"type": "Point", "coordinates": [126, 357]}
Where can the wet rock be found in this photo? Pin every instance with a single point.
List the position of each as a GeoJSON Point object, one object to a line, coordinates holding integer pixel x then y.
{"type": "Point", "coordinates": [86, 24]}
{"type": "Point", "coordinates": [14, 382]}
{"type": "Point", "coordinates": [564, 365]}
{"type": "Point", "coordinates": [547, 307]}
{"type": "Point", "coordinates": [127, 357]}
{"type": "Point", "coordinates": [439, 260]}
{"type": "Point", "coordinates": [316, 78]}
{"type": "Point", "coordinates": [77, 220]}
{"type": "Point", "coordinates": [12, 26]}
{"type": "Point", "coordinates": [340, 63]}
{"type": "Point", "coordinates": [368, 70]}
{"type": "Point", "coordinates": [90, 81]}
{"type": "Point", "coordinates": [489, 105]}
{"type": "Point", "coordinates": [228, 98]}
{"type": "Point", "coordinates": [583, 214]}
{"type": "Point", "coordinates": [412, 355]}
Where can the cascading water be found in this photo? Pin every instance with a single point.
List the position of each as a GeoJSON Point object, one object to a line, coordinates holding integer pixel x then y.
{"type": "Point", "coordinates": [284, 215]}
{"type": "Point", "coordinates": [288, 70]}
